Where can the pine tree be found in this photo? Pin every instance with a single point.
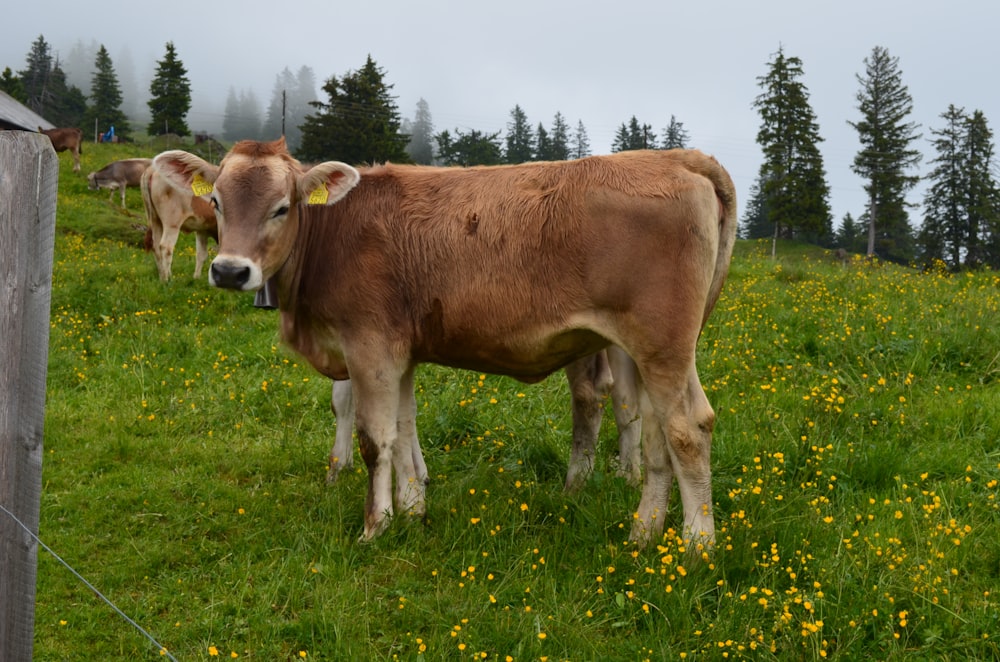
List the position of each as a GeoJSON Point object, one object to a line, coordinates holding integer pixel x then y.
{"type": "Point", "coordinates": [558, 139]}
{"type": "Point", "coordinates": [961, 205]}
{"type": "Point", "coordinates": [359, 124]}
{"type": "Point", "coordinates": [277, 109]}
{"type": "Point", "coordinates": [621, 140]}
{"type": "Point", "coordinates": [580, 146]}
{"type": "Point", "coordinates": [634, 136]}
{"type": "Point", "coordinates": [241, 120]}
{"type": "Point", "coordinates": [520, 138]}
{"type": "Point", "coordinates": [543, 145]}
{"type": "Point", "coordinates": [131, 94]}
{"type": "Point", "coordinates": [45, 90]}
{"type": "Point", "coordinates": [792, 177]}
{"type": "Point", "coordinates": [170, 96]}
{"type": "Point", "coordinates": [850, 235]}
{"type": "Point", "coordinates": [250, 114]}
{"type": "Point", "coordinates": [230, 118]}
{"type": "Point", "coordinates": [421, 146]}
{"type": "Point", "coordinates": [290, 104]}
{"type": "Point", "coordinates": [79, 64]}
{"type": "Point", "coordinates": [675, 136]}
{"type": "Point", "coordinates": [12, 85]}
{"type": "Point", "coordinates": [940, 237]}
{"type": "Point", "coordinates": [469, 149]}
{"type": "Point", "coordinates": [983, 196]}
{"type": "Point", "coordinates": [67, 104]}
{"type": "Point", "coordinates": [35, 77]}
{"type": "Point", "coordinates": [106, 97]}
{"type": "Point", "coordinates": [300, 105]}
{"type": "Point", "coordinates": [756, 223]}
{"type": "Point", "coordinates": [886, 154]}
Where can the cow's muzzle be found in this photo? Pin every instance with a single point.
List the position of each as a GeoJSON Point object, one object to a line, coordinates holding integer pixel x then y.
{"type": "Point", "coordinates": [231, 275]}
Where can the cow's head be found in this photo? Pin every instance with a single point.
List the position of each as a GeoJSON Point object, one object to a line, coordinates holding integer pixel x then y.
{"type": "Point", "coordinates": [255, 191]}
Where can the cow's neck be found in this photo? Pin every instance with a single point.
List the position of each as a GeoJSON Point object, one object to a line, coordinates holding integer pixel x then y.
{"type": "Point", "coordinates": [297, 327]}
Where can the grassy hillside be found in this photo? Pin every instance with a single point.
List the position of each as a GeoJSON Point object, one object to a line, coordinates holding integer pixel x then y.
{"type": "Point", "coordinates": [856, 461]}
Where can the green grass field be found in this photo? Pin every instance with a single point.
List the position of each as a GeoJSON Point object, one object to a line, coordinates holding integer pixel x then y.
{"type": "Point", "coordinates": [856, 465]}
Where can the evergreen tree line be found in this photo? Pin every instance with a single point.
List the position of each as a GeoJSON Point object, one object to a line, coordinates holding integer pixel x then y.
{"type": "Point", "coordinates": [790, 197]}
{"type": "Point", "coordinates": [359, 122]}
{"type": "Point", "coordinates": [43, 87]}
{"type": "Point", "coordinates": [289, 105]}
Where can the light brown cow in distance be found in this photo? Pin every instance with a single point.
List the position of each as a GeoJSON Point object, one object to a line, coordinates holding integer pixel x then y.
{"type": "Point", "coordinates": [118, 175]}
{"type": "Point", "coordinates": [169, 212]}
{"type": "Point", "coordinates": [66, 139]}
{"type": "Point", "coordinates": [513, 270]}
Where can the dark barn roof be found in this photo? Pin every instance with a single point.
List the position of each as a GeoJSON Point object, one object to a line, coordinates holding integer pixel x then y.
{"type": "Point", "coordinates": [17, 116]}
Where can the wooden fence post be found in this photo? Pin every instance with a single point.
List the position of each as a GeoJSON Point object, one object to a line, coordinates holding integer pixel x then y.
{"type": "Point", "coordinates": [29, 178]}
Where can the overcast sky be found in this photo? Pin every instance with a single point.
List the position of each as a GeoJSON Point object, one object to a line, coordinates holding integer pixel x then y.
{"type": "Point", "coordinates": [595, 62]}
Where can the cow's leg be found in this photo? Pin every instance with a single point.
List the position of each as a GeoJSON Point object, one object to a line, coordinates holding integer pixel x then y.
{"type": "Point", "coordinates": [649, 517]}
{"type": "Point", "coordinates": [408, 428]}
{"type": "Point", "coordinates": [156, 230]}
{"type": "Point", "coordinates": [376, 386]}
{"type": "Point", "coordinates": [589, 382]}
{"type": "Point", "coordinates": [625, 403]}
{"type": "Point", "coordinates": [76, 159]}
{"type": "Point", "coordinates": [676, 440]}
{"type": "Point", "coordinates": [165, 250]}
{"type": "Point", "coordinates": [408, 461]}
{"type": "Point", "coordinates": [122, 187]}
{"type": "Point", "coordinates": [342, 454]}
{"type": "Point", "coordinates": [691, 451]}
{"type": "Point", "coordinates": [200, 252]}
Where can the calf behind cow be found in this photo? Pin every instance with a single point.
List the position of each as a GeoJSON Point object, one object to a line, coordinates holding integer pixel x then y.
{"type": "Point", "coordinates": [591, 380]}
{"type": "Point", "coordinates": [118, 175]}
{"type": "Point", "coordinates": [515, 270]}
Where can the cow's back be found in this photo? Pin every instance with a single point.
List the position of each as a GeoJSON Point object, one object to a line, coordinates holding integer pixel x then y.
{"type": "Point", "coordinates": [452, 256]}
{"type": "Point", "coordinates": [129, 171]}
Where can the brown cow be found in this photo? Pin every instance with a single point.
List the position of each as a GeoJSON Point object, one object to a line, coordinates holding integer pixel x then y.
{"type": "Point", "coordinates": [170, 212]}
{"type": "Point", "coordinates": [515, 270]}
{"type": "Point", "coordinates": [66, 139]}
{"type": "Point", "coordinates": [118, 175]}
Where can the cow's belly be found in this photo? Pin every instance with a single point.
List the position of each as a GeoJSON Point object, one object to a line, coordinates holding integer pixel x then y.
{"type": "Point", "coordinates": [529, 359]}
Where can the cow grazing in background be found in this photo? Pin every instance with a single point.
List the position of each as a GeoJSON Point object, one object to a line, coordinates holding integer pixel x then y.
{"type": "Point", "coordinates": [66, 139]}
{"type": "Point", "coordinates": [169, 212]}
{"type": "Point", "coordinates": [118, 175]}
{"type": "Point", "coordinates": [515, 270]}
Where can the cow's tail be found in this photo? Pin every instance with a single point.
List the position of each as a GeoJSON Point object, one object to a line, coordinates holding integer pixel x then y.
{"type": "Point", "coordinates": [147, 201]}
{"type": "Point", "coordinates": [725, 192]}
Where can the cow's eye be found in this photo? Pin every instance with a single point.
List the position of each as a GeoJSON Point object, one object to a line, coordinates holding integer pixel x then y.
{"type": "Point", "coordinates": [280, 211]}
{"type": "Point", "coordinates": [214, 202]}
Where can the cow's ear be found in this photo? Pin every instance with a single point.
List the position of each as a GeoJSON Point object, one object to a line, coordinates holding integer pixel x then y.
{"type": "Point", "coordinates": [326, 183]}
{"type": "Point", "coordinates": [187, 172]}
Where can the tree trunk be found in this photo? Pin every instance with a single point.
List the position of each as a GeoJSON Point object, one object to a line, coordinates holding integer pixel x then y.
{"type": "Point", "coordinates": [871, 227]}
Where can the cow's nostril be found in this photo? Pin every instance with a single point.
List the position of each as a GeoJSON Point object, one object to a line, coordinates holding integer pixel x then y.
{"type": "Point", "coordinates": [228, 276]}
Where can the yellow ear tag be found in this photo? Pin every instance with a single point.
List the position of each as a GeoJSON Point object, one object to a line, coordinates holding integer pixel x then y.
{"type": "Point", "coordinates": [319, 196]}
{"type": "Point", "coordinates": [199, 186]}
